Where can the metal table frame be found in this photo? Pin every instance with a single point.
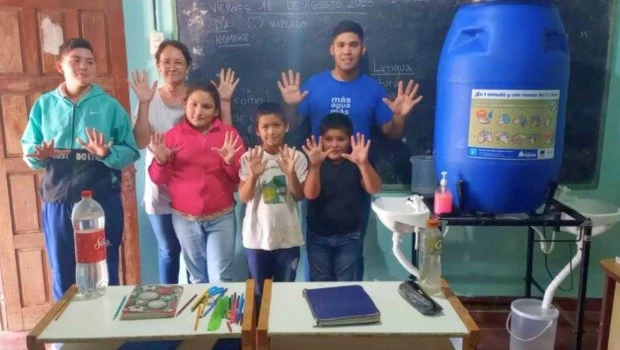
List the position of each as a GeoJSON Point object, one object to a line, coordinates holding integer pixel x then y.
{"type": "Point", "coordinates": [552, 218]}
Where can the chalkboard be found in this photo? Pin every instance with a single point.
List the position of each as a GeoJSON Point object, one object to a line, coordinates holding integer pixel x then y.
{"type": "Point", "coordinates": [261, 38]}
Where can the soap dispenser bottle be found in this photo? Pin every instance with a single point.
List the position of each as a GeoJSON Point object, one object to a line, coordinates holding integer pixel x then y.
{"type": "Point", "coordinates": [443, 196]}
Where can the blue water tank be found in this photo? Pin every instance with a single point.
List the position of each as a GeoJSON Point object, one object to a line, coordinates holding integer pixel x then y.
{"type": "Point", "coordinates": [502, 87]}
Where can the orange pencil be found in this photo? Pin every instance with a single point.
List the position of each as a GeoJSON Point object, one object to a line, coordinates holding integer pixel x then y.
{"type": "Point", "coordinates": [200, 309]}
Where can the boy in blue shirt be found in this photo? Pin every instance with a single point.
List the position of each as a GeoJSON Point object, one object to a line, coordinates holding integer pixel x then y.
{"type": "Point", "coordinates": [339, 177]}
{"type": "Point", "coordinates": [82, 137]}
{"type": "Point", "coordinates": [343, 89]}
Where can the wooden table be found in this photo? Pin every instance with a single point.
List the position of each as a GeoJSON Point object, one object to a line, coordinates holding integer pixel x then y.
{"type": "Point", "coordinates": [89, 324]}
{"type": "Point", "coordinates": [609, 326]}
{"type": "Point", "coordinates": [285, 322]}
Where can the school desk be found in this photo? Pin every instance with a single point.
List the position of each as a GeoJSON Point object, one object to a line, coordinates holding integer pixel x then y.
{"type": "Point", "coordinates": [89, 324]}
{"type": "Point", "coordinates": [609, 325]}
{"type": "Point", "coordinates": [286, 322]}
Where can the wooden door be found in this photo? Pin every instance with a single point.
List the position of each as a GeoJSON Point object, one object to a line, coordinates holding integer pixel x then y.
{"type": "Point", "coordinates": [30, 33]}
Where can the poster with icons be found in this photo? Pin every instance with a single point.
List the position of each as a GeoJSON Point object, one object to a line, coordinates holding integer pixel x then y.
{"type": "Point", "coordinates": [513, 124]}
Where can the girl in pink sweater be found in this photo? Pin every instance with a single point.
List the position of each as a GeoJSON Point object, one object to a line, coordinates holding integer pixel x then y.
{"type": "Point", "coordinates": [198, 160]}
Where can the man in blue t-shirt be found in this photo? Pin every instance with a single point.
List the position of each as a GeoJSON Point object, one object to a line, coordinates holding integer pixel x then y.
{"type": "Point", "coordinates": [344, 90]}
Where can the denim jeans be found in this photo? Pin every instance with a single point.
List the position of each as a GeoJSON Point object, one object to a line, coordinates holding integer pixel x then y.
{"type": "Point", "coordinates": [359, 269]}
{"type": "Point", "coordinates": [208, 247]}
{"type": "Point", "coordinates": [168, 248]}
{"type": "Point", "coordinates": [279, 264]}
{"type": "Point", "coordinates": [334, 257]}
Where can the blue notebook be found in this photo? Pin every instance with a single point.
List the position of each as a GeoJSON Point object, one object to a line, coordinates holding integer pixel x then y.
{"type": "Point", "coordinates": [339, 306]}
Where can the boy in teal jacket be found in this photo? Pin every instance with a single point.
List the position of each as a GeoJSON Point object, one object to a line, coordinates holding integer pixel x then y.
{"type": "Point", "coordinates": [82, 137]}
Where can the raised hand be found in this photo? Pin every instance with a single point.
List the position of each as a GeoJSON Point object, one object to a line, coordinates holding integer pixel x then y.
{"type": "Point", "coordinates": [313, 150]}
{"type": "Point", "coordinates": [256, 164]}
{"type": "Point", "coordinates": [46, 150]}
{"type": "Point", "coordinates": [159, 149]}
{"type": "Point", "coordinates": [227, 84]}
{"type": "Point", "coordinates": [405, 100]}
{"type": "Point", "coordinates": [96, 143]}
{"type": "Point", "coordinates": [288, 156]}
{"type": "Point", "coordinates": [359, 150]}
{"type": "Point", "coordinates": [229, 148]}
{"type": "Point", "coordinates": [140, 86]}
{"type": "Point", "coordinates": [289, 88]}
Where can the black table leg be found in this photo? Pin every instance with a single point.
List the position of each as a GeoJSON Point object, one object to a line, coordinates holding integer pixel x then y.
{"type": "Point", "coordinates": [529, 262]}
{"type": "Point", "coordinates": [583, 284]}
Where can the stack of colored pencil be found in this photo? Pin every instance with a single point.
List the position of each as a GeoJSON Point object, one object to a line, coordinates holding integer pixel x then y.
{"type": "Point", "coordinates": [233, 312]}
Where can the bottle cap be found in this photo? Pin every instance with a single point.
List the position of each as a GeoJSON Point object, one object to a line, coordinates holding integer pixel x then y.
{"type": "Point", "coordinates": [432, 223]}
{"type": "Point", "coordinates": [87, 193]}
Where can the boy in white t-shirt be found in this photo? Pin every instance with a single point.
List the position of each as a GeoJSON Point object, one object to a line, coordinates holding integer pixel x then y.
{"type": "Point", "coordinates": [272, 177]}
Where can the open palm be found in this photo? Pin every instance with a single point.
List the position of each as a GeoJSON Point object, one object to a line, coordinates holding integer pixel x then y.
{"type": "Point", "coordinates": [140, 86]}
{"type": "Point", "coordinates": [229, 148]}
{"type": "Point", "coordinates": [290, 88]}
{"type": "Point", "coordinates": [256, 164]}
{"type": "Point", "coordinates": [159, 149]}
{"type": "Point", "coordinates": [227, 84]}
{"type": "Point", "coordinates": [313, 150]}
{"type": "Point", "coordinates": [359, 150]}
{"type": "Point", "coordinates": [46, 150]}
{"type": "Point", "coordinates": [288, 156]}
{"type": "Point", "coordinates": [96, 143]}
{"type": "Point", "coordinates": [405, 99]}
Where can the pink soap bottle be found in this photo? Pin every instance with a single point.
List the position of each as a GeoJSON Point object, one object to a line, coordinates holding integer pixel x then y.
{"type": "Point", "coordinates": [443, 196]}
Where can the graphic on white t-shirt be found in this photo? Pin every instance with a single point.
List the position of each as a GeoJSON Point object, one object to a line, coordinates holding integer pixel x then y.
{"type": "Point", "coordinates": [274, 191]}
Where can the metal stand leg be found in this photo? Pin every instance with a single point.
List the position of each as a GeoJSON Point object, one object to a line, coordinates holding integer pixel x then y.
{"type": "Point", "coordinates": [583, 284]}
{"type": "Point", "coordinates": [414, 255]}
{"type": "Point", "coordinates": [529, 262]}
{"type": "Point", "coordinates": [414, 252]}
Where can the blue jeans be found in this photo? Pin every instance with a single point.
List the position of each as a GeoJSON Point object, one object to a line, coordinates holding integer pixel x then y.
{"type": "Point", "coordinates": [359, 269]}
{"type": "Point", "coordinates": [60, 245]}
{"type": "Point", "coordinates": [168, 247]}
{"type": "Point", "coordinates": [279, 264]}
{"type": "Point", "coordinates": [334, 257]}
{"type": "Point", "coordinates": [208, 247]}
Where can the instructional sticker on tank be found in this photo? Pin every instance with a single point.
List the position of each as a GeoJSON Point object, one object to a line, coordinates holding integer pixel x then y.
{"type": "Point", "coordinates": [513, 124]}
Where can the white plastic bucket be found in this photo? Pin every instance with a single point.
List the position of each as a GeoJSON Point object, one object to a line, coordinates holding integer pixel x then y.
{"type": "Point", "coordinates": [530, 326]}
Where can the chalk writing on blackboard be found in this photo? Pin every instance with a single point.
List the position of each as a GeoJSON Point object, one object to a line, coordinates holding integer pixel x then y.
{"type": "Point", "coordinates": [261, 38]}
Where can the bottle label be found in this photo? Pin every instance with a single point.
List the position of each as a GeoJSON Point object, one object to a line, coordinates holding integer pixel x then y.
{"type": "Point", "coordinates": [90, 247]}
{"type": "Point", "coordinates": [434, 245]}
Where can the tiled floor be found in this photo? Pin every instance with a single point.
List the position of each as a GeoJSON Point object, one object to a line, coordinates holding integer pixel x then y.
{"type": "Point", "coordinates": [489, 313]}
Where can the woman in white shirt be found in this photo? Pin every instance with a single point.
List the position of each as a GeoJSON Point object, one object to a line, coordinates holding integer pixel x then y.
{"type": "Point", "coordinates": [159, 109]}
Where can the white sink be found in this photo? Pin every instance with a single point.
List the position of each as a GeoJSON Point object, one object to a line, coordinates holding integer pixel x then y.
{"type": "Point", "coordinates": [397, 215]}
{"type": "Point", "coordinates": [401, 216]}
{"type": "Point", "coordinates": [603, 214]}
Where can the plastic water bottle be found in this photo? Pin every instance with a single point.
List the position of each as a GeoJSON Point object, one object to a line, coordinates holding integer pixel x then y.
{"type": "Point", "coordinates": [91, 270]}
{"type": "Point", "coordinates": [430, 257]}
